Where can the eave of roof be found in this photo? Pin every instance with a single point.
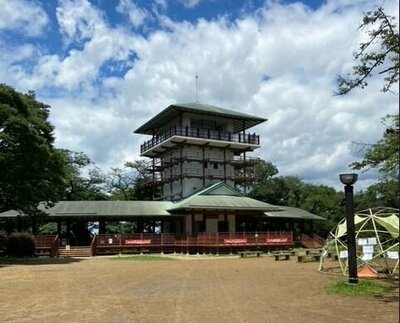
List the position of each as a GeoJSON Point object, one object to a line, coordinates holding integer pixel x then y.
{"type": "Point", "coordinates": [173, 111]}
{"type": "Point", "coordinates": [103, 209]}
{"type": "Point", "coordinates": [293, 213]}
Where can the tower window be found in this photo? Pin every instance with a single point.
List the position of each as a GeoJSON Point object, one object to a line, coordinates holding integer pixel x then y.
{"type": "Point", "coordinates": [215, 166]}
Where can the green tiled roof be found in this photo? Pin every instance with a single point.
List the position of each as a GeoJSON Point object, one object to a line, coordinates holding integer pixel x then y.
{"type": "Point", "coordinates": [220, 196]}
{"type": "Point", "coordinates": [220, 202]}
{"type": "Point", "coordinates": [293, 213]}
{"type": "Point", "coordinates": [104, 208]}
{"type": "Point", "coordinates": [173, 111]}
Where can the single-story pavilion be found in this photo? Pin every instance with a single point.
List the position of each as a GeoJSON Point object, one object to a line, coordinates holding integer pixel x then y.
{"type": "Point", "coordinates": [217, 210]}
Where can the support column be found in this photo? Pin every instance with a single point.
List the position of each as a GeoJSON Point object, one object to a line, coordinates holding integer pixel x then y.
{"type": "Point", "coordinates": [140, 225]}
{"type": "Point", "coordinates": [68, 235]}
{"type": "Point", "coordinates": [33, 225]}
{"type": "Point", "coordinates": [59, 228]}
{"type": "Point", "coordinates": [102, 227]}
{"type": "Point", "coordinates": [19, 223]}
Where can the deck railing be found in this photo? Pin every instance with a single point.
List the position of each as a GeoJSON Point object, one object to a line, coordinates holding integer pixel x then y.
{"type": "Point", "coordinates": [191, 243]}
{"type": "Point", "coordinates": [47, 244]}
{"type": "Point", "coordinates": [246, 138]}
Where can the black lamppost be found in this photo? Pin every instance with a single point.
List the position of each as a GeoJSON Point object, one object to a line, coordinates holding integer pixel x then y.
{"type": "Point", "coordinates": [348, 180]}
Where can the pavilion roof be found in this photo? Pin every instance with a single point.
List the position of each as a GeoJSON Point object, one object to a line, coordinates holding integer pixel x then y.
{"type": "Point", "coordinates": [174, 110]}
{"type": "Point", "coordinates": [103, 209]}
{"type": "Point", "coordinates": [294, 213]}
{"type": "Point", "coordinates": [221, 196]}
{"type": "Point", "coordinates": [216, 197]}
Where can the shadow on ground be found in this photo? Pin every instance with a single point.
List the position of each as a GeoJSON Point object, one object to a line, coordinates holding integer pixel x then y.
{"type": "Point", "coordinates": [392, 295]}
{"type": "Point", "coordinates": [10, 261]}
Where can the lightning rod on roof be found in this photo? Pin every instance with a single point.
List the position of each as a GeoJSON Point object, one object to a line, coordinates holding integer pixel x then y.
{"type": "Point", "coordinates": [197, 80]}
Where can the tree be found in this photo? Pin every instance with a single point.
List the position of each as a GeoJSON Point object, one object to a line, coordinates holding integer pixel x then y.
{"type": "Point", "coordinates": [79, 187]}
{"type": "Point", "coordinates": [141, 190]}
{"type": "Point", "coordinates": [384, 155]}
{"type": "Point", "coordinates": [32, 170]}
{"type": "Point", "coordinates": [378, 55]}
{"type": "Point", "coordinates": [279, 190]}
{"type": "Point", "coordinates": [121, 183]}
{"type": "Point", "coordinates": [385, 193]}
{"type": "Point", "coordinates": [292, 191]}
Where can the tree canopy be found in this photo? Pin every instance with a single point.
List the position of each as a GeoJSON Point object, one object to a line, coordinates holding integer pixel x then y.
{"type": "Point", "coordinates": [77, 186]}
{"type": "Point", "coordinates": [378, 55]}
{"type": "Point", "coordinates": [32, 170]}
{"type": "Point", "coordinates": [384, 155]}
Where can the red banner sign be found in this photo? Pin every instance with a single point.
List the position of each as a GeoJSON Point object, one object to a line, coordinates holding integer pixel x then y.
{"type": "Point", "coordinates": [235, 241]}
{"type": "Point", "coordinates": [277, 240]}
{"type": "Point", "coordinates": [136, 242]}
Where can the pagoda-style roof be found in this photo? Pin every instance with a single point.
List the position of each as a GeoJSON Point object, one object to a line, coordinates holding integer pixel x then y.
{"type": "Point", "coordinates": [242, 121]}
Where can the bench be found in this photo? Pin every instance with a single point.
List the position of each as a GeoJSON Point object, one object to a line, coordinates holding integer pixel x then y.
{"type": "Point", "coordinates": [282, 256]}
{"type": "Point", "coordinates": [244, 254]}
{"type": "Point", "coordinates": [310, 257]}
{"type": "Point", "coordinates": [43, 251]}
{"type": "Point", "coordinates": [313, 252]}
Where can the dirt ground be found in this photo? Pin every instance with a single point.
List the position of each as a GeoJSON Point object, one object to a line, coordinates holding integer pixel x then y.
{"type": "Point", "coordinates": [192, 289]}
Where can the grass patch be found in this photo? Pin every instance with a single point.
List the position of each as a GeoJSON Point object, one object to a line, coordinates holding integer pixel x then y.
{"type": "Point", "coordinates": [363, 288]}
{"type": "Point", "coordinates": [143, 258]}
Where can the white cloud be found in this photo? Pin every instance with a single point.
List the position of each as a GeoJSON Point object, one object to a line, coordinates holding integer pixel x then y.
{"type": "Point", "coordinates": [79, 20]}
{"type": "Point", "coordinates": [280, 63]}
{"type": "Point", "coordinates": [190, 3]}
{"type": "Point", "coordinates": [25, 17]}
{"type": "Point", "coordinates": [137, 16]}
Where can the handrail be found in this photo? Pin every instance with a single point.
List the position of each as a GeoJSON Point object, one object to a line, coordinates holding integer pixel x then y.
{"type": "Point", "coordinates": [309, 242]}
{"type": "Point", "coordinates": [55, 246]}
{"type": "Point", "coordinates": [226, 238]}
{"type": "Point", "coordinates": [200, 133]}
{"type": "Point", "coordinates": [93, 245]}
{"type": "Point", "coordinates": [318, 239]}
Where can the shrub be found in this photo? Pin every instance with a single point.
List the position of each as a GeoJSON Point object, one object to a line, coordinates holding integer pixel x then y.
{"type": "Point", "coordinates": [20, 244]}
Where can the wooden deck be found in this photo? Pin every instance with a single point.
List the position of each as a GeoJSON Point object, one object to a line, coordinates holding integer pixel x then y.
{"type": "Point", "coordinates": [203, 243]}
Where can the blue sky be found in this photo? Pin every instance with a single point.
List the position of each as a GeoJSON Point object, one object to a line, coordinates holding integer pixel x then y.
{"type": "Point", "coordinates": [105, 67]}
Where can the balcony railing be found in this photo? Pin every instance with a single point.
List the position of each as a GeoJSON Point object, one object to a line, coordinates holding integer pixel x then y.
{"type": "Point", "coordinates": [245, 138]}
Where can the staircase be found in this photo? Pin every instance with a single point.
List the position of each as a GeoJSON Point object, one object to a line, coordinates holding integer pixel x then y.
{"type": "Point", "coordinates": [312, 242]}
{"type": "Point", "coordinates": [75, 251]}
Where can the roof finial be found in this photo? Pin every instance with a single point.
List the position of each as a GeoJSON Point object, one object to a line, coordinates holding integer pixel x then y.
{"type": "Point", "coordinates": [197, 78]}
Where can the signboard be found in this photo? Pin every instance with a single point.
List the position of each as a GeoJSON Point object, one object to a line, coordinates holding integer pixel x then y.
{"type": "Point", "coordinates": [372, 241]}
{"type": "Point", "coordinates": [137, 241]}
{"type": "Point", "coordinates": [368, 249]}
{"type": "Point", "coordinates": [110, 241]}
{"type": "Point", "coordinates": [235, 241]}
{"type": "Point", "coordinates": [367, 256]}
{"type": "Point", "coordinates": [277, 240]}
{"type": "Point", "coordinates": [393, 254]}
{"type": "Point", "coordinates": [362, 241]}
{"type": "Point", "coordinates": [343, 254]}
